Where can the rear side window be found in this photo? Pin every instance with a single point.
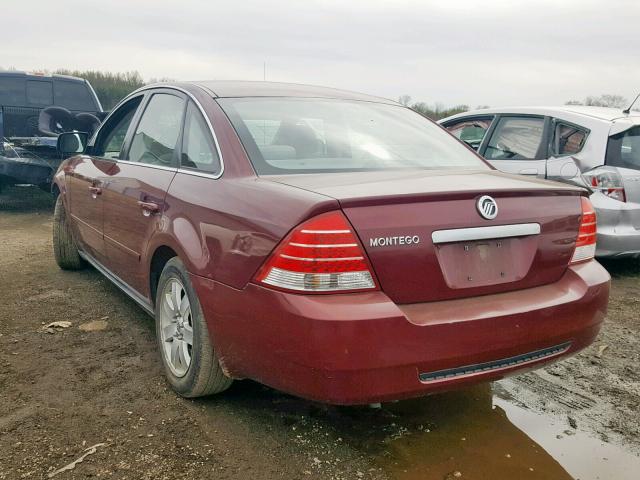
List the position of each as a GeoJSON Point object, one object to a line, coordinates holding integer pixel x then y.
{"type": "Point", "coordinates": [199, 151]}
{"type": "Point", "coordinates": [157, 134]}
{"type": "Point", "coordinates": [516, 138]}
{"type": "Point", "coordinates": [567, 139]}
{"type": "Point", "coordinates": [39, 93]}
{"type": "Point", "coordinates": [623, 150]}
{"type": "Point", "coordinates": [74, 96]}
{"type": "Point", "coordinates": [470, 131]}
{"type": "Point", "coordinates": [12, 91]}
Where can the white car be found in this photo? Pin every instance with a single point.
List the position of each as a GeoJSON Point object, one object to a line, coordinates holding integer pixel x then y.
{"type": "Point", "coordinates": [592, 146]}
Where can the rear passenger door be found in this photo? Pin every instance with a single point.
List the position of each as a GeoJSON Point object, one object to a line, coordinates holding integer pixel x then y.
{"type": "Point", "coordinates": [135, 196]}
{"type": "Point", "coordinates": [518, 144]}
{"type": "Point", "coordinates": [566, 141]}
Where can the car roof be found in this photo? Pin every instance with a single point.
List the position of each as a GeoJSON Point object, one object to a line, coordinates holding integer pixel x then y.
{"type": "Point", "coordinates": [39, 76]}
{"type": "Point", "coordinates": [240, 88]}
{"type": "Point", "coordinates": [606, 114]}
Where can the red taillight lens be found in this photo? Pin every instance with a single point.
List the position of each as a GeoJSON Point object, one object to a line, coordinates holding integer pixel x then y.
{"type": "Point", "coordinates": [321, 255]}
{"type": "Point", "coordinates": [607, 181]}
{"type": "Point", "coordinates": [586, 242]}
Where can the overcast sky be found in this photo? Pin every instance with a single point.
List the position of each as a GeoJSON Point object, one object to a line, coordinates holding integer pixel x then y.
{"type": "Point", "coordinates": [450, 51]}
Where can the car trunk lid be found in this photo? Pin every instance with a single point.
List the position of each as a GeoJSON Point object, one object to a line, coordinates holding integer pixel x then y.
{"type": "Point", "coordinates": [427, 241]}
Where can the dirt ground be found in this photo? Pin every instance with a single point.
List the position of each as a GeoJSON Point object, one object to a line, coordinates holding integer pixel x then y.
{"type": "Point", "coordinates": [99, 382]}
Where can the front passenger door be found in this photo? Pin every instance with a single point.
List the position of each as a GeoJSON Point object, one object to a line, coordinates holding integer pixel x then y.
{"type": "Point", "coordinates": [518, 145]}
{"type": "Point", "coordinates": [88, 175]}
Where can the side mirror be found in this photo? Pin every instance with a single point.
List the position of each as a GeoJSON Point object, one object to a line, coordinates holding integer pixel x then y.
{"type": "Point", "coordinates": [71, 143]}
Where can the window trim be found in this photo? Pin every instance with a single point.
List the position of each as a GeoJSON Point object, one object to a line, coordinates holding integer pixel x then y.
{"type": "Point", "coordinates": [554, 123]}
{"type": "Point", "coordinates": [543, 149]}
{"type": "Point", "coordinates": [146, 90]}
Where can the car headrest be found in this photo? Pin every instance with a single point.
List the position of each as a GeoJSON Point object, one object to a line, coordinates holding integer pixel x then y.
{"type": "Point", "coordinates": [55, 120]}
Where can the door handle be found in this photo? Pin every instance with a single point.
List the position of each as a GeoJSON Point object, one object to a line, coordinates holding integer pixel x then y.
{"type": "Point", "coordinates": [95, 191]}
{"type": "Point", "coordinates": [148, 208]}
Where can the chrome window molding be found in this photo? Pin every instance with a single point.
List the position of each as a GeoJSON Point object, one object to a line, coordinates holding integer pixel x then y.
{"type": "Point", "coordinates": [148, 165]}
{"type": "Point", "coordinates": [214, 176]}
{"type": "Point", "coordinates": [485, 233]}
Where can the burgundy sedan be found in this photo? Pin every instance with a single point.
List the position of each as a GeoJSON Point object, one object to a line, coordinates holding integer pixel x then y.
{"type": "Point", "coordinates": [329, 244]}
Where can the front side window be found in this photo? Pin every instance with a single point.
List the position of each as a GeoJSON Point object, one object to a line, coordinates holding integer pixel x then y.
{"type": "Point", "coordinates": [567, 139]}
{"type": "Point", "coordinates": [199, 151]}
{"type": "Point", "coordinates": [623, 149]}
{"type": "Point", "coordinates": [157, 134]}
{"type": "Point", "coordinates": [516, 138]}
{"type": "Point", "coordinates": [112, 134]}
{"type": "Point", "coordinates": [471, 131]}
{"type": "Point", "coordinates": [307, 135]}
{"type": "Point", "coordinates": [39, 93]}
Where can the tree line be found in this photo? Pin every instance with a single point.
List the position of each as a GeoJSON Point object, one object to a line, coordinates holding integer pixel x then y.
{"type": "Point", "coordinates": [111, 87]}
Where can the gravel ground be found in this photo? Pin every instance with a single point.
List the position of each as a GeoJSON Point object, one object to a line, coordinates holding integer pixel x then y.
{"type": "Point", "coordinates": [99, 382]}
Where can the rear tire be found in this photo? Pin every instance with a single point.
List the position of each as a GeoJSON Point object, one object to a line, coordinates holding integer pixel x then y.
{"type": "Point", "coordinates": [65, 248]}
{"type": "Point", "coordinates": [192, 369]}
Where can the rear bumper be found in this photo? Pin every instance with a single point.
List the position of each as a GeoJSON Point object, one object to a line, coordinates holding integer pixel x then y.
{"type": "Point", "coordinates": [618, 227]}
{"type": "Point", "coordinates": [362, 348]}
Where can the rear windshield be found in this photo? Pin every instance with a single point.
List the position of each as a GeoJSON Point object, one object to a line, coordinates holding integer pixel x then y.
{"type": "Point", "coordinates": [310, 135]}
{"type": "Point", "coordinates": [74, 96]}
{"type": "Point", "coordinates": [623, 150]}
{"type": "Point", "coordinates": [12, 91]}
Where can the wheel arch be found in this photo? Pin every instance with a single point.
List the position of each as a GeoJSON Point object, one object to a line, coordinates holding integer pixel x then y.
{"type": "Point", "coordinates": [157, 260]}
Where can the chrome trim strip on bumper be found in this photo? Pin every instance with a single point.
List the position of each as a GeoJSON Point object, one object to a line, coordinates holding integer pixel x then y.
{"type": "Point", "coordinates": [484, 233]}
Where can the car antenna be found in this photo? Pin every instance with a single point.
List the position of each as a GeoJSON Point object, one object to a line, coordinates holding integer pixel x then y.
{"type": "Point", "coordinates": [628, 109]}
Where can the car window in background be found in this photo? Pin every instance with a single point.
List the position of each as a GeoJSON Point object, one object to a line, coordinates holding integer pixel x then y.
{"type": "Point", "coordinates": [39, 93]}
{"type": "Point", "coordinates": [515, 138]}
{"type": "Point", "coordinates": [567, 139]}
{"type": "Point", "coordinates": [73, 96]}
{"type": "Point", "coordinates": [308, 135]}
{"type": "Point", "coordinates": [157, 134]}
{"type": "Point", "coordinates": [623, 150]}
{"type": "Point", "coordinates": [12, 91]}
{"type": "Point", "coordinates": [198, 148]}
{"type": "Point", "coordinates": [471, 131]}
{"type": "Point", "coordinates": [113, 132]}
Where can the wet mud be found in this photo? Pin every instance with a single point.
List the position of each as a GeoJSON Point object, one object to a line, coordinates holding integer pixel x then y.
{"type": "Point", "coordinates": [98, 381]}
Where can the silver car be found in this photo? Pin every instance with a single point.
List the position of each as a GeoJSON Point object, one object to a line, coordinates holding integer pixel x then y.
{"type": "Point", "coordinates": [591, 146]}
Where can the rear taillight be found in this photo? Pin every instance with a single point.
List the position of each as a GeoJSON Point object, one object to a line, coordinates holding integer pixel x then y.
{"type": "Point", "coordinates": [586, 242]}
{"type": "Point", "coordinates": [607, 181]}
{"type": "Point", "coordinates": [320, 255]}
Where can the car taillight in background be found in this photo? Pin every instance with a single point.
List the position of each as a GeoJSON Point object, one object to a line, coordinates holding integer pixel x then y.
{"type": "Point", "coordinates": [607, 181]}
{"type": "Point", "coordinates": [320, 255]}
{"type": "Point", "coordinates": [586, 242]}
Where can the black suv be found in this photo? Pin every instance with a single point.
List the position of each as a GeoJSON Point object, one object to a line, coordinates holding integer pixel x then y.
{"type": "Point", "coordinates": [33, 110]}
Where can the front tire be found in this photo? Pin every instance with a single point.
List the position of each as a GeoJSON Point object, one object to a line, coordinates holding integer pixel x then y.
{"type": "Point", "coordinates": [190, 363]}
{"type": "Point", "coordinates": [65, 248]}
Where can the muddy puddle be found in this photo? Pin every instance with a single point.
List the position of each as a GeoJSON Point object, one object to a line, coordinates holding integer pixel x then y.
{"type": "Point", "coordinates": [478, 433]}
{"type": "Point", "coordinates": [481, 434]}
